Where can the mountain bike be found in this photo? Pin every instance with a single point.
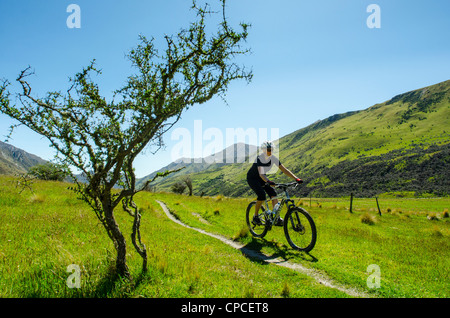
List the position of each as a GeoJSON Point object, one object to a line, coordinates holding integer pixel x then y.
{"type": "Point", "coordinates": [299, 226]}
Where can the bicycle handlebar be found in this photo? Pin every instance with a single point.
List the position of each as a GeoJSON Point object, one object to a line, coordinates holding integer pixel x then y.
{"type": "Point", "coordinates": [286, 185]}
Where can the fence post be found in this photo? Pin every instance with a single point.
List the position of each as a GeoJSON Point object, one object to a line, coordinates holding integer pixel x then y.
{"type": "Point", "coordinates": [351, 202]}
{"type": "Point", "coordinates": [378, 206]}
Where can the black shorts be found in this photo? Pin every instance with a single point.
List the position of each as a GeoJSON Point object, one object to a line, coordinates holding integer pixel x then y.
{"type": "Point", "coordinates": [261, 188]}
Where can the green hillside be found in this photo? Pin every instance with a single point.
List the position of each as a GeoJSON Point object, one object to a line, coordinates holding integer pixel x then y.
{"type": "Point", "coordinates": [239, 152]}
{"type": "Point", "coordinates": [400, 145]}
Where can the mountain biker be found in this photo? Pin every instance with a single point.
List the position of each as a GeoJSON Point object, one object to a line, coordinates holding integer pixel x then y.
{"type": "Point", "coordinates": [260, 184]}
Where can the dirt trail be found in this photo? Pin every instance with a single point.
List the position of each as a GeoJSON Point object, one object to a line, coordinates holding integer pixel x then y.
{"type": "Point", "coordinates": [319, 277]}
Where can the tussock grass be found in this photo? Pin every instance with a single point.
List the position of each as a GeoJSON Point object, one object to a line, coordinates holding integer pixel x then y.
{"type": "Point", "coordinates": [243, 233]}
{"type": "Point", "coordinates": [445, 214]}
{"type": "Point", "coordinates": [368, 218]}
{"type": "Point", "coordinates": [285, 293]}
{"type": "Point", "coordinates": [37, 198]}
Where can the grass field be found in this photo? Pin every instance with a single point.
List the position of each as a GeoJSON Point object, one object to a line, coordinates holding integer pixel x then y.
{"type": "Point", "coordinates": [44, 231]}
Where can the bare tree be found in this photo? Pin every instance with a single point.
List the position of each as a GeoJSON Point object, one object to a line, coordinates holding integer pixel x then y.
{"type": "Point", "coordinates": [102, 138]}
{"type": "Point", "coordinates": [187, 180]}
{"type": "Point", "coordinates": [178, 187]}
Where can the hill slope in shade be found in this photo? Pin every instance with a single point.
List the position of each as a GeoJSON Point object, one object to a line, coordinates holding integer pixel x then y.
{"type": "Point", "coordinates": [398, 145]}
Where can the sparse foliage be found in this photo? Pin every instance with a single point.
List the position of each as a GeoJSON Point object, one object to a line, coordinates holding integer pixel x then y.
{"type": "Point", "coordinates": [25, 181]}
{"type": "Point", "coordinates": [102, 138]}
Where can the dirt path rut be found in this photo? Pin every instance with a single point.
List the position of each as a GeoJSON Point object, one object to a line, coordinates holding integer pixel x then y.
{"type": "Point", "coordinates": [319, 277]}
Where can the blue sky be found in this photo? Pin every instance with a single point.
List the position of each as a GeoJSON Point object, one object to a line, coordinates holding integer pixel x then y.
{"type": "Point", "coordinates": [310, 59]}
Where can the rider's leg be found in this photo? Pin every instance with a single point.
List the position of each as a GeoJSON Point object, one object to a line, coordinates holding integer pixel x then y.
{"type": "Point", "coordinates": [279, 221]}
{"type": "Point", "coordinates": [272, 194]}
{"type": "Point", "coordinates": [274, 202]}
{"type": "Point", "coordinates": [261, 198]}
{"type": "Point", "coordinates": [257, 187]}
{"type": "Point", "coordinates": [258, 206]}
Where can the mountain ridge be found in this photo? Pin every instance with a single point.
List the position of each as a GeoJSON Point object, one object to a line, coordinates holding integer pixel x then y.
{"type": "Point", "coordinates": [15, 161]}
{"type": "Point", "coordinates": [238, 152]}
{"type": "Point", "coordinates": [341, 154]}
{"type": "Point", "coordinates": [402, 144]}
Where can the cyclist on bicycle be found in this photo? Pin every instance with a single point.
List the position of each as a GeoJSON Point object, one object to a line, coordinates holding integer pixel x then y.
{"type": "Point", "coordinates": [260, 184]}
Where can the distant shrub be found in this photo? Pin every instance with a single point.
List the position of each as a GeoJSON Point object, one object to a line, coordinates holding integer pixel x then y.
{"type": "Point", "coordinates": [49, 171]}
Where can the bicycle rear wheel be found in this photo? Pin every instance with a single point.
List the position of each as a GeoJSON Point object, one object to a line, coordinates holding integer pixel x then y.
{"type": "Point", "coordinates": [300, 229]}
{"type": "Point", "coordinates": [256, 230]}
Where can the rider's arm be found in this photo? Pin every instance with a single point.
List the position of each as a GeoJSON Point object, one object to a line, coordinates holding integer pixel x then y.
{"type": "Point", "coordinates": [287, 172]}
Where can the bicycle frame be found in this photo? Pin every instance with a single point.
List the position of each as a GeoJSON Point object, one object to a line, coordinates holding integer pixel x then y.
{"type": "Point", "coordinates": [299, 227]}
{"type": "Point", "coordinates": [283, 198]}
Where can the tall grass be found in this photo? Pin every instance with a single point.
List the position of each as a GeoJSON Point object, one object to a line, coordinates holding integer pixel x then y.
{"type": "Point", "coordinates": [44, 231]}
{"type": "Point", "coordinates": [39, 239]}
{"type": "Point", "coordinates": [412, 252]}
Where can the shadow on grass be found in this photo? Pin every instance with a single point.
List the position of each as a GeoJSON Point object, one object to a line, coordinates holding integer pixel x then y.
{"type": "Point", "coordinates": [50, 283]}
{"type": "Point", "coordinates": [254, 251]}
{"type": "Point", "coordinates": [114, 285]}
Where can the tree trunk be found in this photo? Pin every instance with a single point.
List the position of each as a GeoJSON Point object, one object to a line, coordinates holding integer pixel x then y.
{"type": "Point", "coordinates": [118, 240]}
{"type": "Point", "coordinates": [138, 245]}
{"type": "Point", "coordinates": [188, 182]}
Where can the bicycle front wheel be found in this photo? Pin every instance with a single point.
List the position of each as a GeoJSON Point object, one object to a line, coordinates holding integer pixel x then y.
{"type": "Point", "coordinates": [300, 229]}
{"type": "Point", "coordinates": [257, 229]}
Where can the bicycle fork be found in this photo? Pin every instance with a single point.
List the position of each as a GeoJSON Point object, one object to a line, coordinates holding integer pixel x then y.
{"type": "Point", "coordinates": [297, 226]}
